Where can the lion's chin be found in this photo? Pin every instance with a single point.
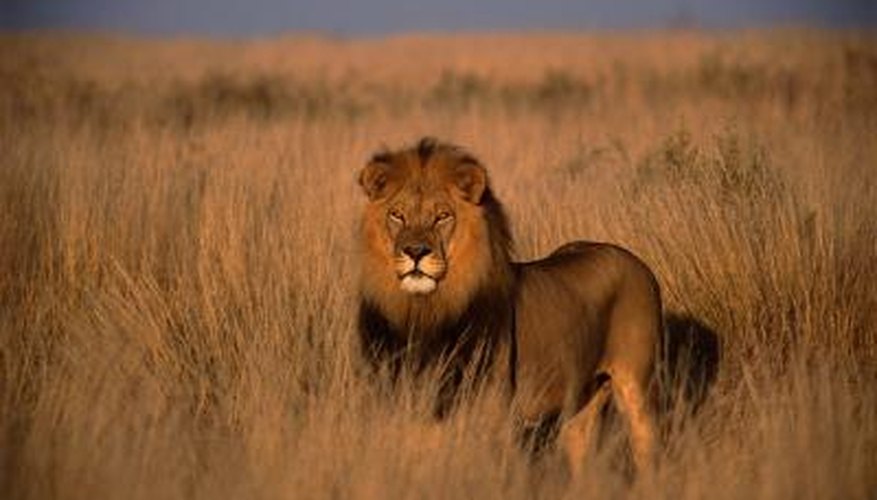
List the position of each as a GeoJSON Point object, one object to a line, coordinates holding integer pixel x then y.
{"type": "Point", "coordinates": [418, 284]}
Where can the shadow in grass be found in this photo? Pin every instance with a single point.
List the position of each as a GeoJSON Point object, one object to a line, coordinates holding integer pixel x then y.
{"type": "Point", "coordinates": [690, 362]}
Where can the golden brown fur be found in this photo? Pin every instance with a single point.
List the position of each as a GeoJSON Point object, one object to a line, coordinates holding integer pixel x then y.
{"type": "Point", "coordinates": [567, 333]}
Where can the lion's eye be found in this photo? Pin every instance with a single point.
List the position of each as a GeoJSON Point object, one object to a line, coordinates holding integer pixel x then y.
{"type": "Point", "coordinates": [443, 217]}
{"type": "Point", "coordinates": [396, 216]}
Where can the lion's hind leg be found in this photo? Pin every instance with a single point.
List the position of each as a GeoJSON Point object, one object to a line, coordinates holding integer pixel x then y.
{"type": "Point", "coordinates": [579, 434]}
{"type": "Point", "coordinates": [632, 400]}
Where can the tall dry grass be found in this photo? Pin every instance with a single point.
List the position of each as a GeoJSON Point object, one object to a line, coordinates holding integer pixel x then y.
{"type": "Point", "coordinates": [178, 255]}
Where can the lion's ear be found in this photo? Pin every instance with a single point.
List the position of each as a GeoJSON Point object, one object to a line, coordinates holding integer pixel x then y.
{"type": "Point", "coordinates": [470, 177]}
{"type": "Point", "coordinates": [374, 179]}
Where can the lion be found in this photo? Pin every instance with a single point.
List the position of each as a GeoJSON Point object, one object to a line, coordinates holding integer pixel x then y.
{"type": "Point", "coordinates": [565, 334]}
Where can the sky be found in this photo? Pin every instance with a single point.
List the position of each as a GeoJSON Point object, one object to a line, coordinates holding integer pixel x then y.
{"type": "Point", "coordinates": [254, 18]}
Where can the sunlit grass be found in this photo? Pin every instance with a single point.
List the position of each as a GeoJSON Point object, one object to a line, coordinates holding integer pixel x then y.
{"type": "Point", "coordinates": [178, 257]}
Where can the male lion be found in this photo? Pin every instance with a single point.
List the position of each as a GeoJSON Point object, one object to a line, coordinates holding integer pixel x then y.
{"type": "Point", "coordinates": [439, 289]}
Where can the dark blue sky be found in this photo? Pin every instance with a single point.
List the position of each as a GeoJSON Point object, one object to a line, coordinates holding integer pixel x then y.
{"type": "Point", "coordinates": [352, 17]}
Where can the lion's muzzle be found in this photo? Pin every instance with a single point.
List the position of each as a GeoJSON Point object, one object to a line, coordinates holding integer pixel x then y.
{"type": "Point", "coordinates": [418, 283]}
{"type": "Point", "coordinates": [419, 269]}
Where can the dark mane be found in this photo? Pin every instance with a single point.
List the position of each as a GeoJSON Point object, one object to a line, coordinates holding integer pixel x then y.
{"type": "Point", "coordinates": [426, 147]}
{"type": "Point", "coordinates": [501, 240]}
{"type": "Point", "coordinates": [468, 345]}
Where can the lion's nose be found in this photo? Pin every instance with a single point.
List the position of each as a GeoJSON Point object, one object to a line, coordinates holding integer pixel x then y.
{"type": "Point", "coordinates": [417, 251]}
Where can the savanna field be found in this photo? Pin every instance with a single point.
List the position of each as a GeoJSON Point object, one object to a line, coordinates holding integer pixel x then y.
{"type": "Point", "coordinates": [178, 256]}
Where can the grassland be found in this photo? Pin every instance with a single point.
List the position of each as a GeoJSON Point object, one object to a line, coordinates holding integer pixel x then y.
{"type": "Point", "coordinates": [178, 257]}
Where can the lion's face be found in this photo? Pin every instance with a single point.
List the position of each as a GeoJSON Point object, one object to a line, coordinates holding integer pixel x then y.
{"type": "Point", "coordinates": [421, 229]}
{"type": "Point", "coordinates": [425, 233]}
